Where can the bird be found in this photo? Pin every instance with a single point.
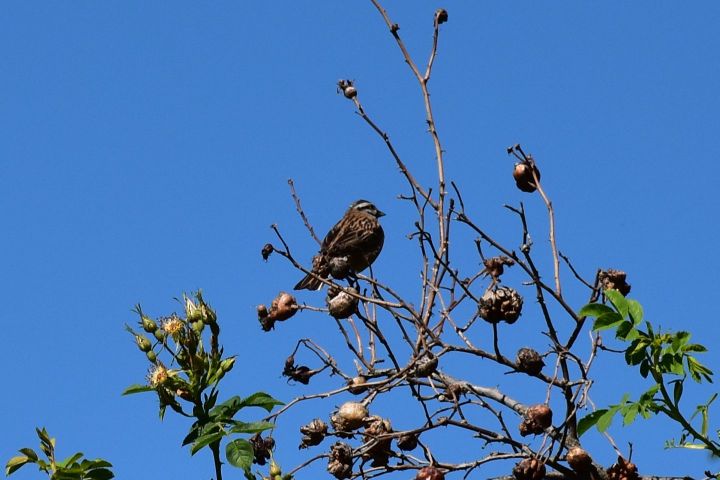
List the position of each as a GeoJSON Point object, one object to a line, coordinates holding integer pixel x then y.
{"type": "Point", "coordinates": [352, 244]}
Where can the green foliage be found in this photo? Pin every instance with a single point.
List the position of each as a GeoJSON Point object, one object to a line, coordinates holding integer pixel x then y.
{"type": "Point", "coordinates": [657, 355]}
{"type": "Point", "coordinates": [74, 467]}
{"type": "Point", "coordinates": [192, 388]}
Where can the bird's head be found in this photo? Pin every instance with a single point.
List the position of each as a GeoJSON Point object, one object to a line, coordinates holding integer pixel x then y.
{"type": "Point", "coordinates": [367, 207]}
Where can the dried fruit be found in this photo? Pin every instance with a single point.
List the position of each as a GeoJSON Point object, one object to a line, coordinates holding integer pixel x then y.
{"type": "Point", "coordinates": [340, 464]}
{"type": "Point", "coordinates": [529, 361]}
{"type": "Point", "coordinates": [612, 279]}
{"type": "Point", "coordinates": [503, 303]}
{"type": "Point", "coordinates": [426, 365]}
{"type": "Point", "coordinates": [377, 449]}
{"type": "Point", "coordinates": [529, 469]}
{"type": "Point", "coordinates": [430, 473]}
{"type": "Point", "coordinates": [350, 416]}
{"type": "Point", "coordinates": [267, 250]}
{"type": "Point", "coordinates": [313, 433]}
{"type": "Point", "coordinates": [300, 373]}
{"type": "Point", "coordinates": [441, 16]}
{"type": "Point", "coordinates": [342, 303]}
{"type": "Point", "coordinates": [283, 307]}
{"type": "Point", "coordinates": [623, 470]}
{"type": "Point", "coordinates": [579, 460]}
{"type": "Point", "coordinates": [536, 419]}
{"type": "Point", "coordinates": [356, 385]}
{"type": "Point", "coordinates": [408, 441]}
{"type": "Point", "coordinates": [495, 266]}
{"type": "Point", "coordinates": [261, 448]}
{"type": "Point", "coordinates": [523, 175]}
{"type": "Point", "coordinates": [347, 88]}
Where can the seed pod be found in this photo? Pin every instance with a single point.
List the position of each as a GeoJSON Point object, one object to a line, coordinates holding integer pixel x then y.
{"type": "Point", "coordinates": [342, 303]}
{"type": "Point", "coordinates": [495, 266]}
{"type": "Point", "coordinates": [356, 385]}
{"type": "Point", "coordinates": [340, 464]}
{"type": "Point", "coordinates": [502, 303]}
{"type": "Point", "coordinates": [148, 324]}
{"type": "Point", "coordinates": [261, 448]}
{"type": "Point", "coordinates": [536, 419]}
{"type": "Point", "coordinates": [523, 175]}
{"type": "Point", "coordinates": [143, 343]}
{"type": "Point", "coordinates": [313, 433]}
{"type": "Point", "coordinates": [430, 473]}
{"type": "Point", "coordinates": [579, 460]}
{"type": "Point", "coordinates": [350, 416]}
{"type": "Point", "coordinates": [529, 469]}
{"type": "Point", "coordinates": [267, 250]}
{"type": "Point", "coordinates": [529, 361]}
{"type": "Point", "coordinates": [408, 441]}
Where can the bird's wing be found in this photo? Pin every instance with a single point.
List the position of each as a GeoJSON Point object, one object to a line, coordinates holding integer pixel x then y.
{"type": "Point", "coordinates": [345, 238]}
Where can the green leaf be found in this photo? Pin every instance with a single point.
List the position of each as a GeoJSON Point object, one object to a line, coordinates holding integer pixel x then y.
{"type": "Point", "coordinates": [607, 320]}
{"type": "Point", "coordinates": [606, 419]}
{"type": "Point", "coordinates": [252, 427]}
{"type": "Point", "coordinates": [239, 453]}
{"type": "Point", "coordinates": [694, 347]}
{"type": "Point", "coordinates": [16, 462]}
{"type": "Point", "coordinates": [636, 311]}
{"type": "Point", "coordinates": [70, 460]}
{"type": "Point", "coordinates": [594, 310]}
{"type": "Point", "coordinates": [262, 400]}
{"type": "Point", "coordinates": [589, 420]}
{"type": "Point", "coordinates": [99, 474]}
{"type": "Point", "coordinates": [629, 413]}
{"type": "Point", "coordinates": [206, 440]}
{"type": "Point", "coordinates": [644, 368]}
{"type": "Point", "coordinates": [679, 340]}
{"type": "Point", "coordinates": [626, 331]}
{"type": "Point", "coordinates": [30, 453]}
{"type": "Point", "coordinates": [619, 302]}
{"type": "Point", "coordinates": [677, 391]}
{"type": "Point", "coordinates": [137, 388]}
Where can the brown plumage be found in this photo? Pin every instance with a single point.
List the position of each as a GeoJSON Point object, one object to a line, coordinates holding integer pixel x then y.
{"type": "Point", "coordinates": [352, 244]}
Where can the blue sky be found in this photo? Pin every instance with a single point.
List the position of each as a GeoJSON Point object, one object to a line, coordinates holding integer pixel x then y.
{"type": "Point", "coordinates": [145, 149]}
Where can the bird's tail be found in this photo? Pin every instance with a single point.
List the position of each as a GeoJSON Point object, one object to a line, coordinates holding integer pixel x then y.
{"type": "Point", "coordinates": [309, 282]}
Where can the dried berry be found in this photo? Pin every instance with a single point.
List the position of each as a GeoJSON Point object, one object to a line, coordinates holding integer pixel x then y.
{"type": "Point", "coordinates": [342, 303]}
{"type": "Point", "coordinates": [623, 470]}
{"type": "Point", "coordinates": [313, 433]}
{"type": "Point", "coordinates": [529, 361]}
{"type": "Point", "coordinates": [408, 441]}
{"type": "Point", "coordinates": [612, 279]}
{"type": "Point", "coordinates": [579, 460]}
{"type": "Point", "coordinates": [523, 175]}
{"type": "Point", "coordinates": [430, 473]}
{"type": "Point", "coordinates": [267, 250]}
{"type": "Point", "coordinates": [340, 464]}
{"type": "Point", "coordinates": [502, 303]}
{"type": "Point", "coordinates": [536, 419]}
{"type": "Point", "coordinates": [350, 416]}
{"type": "Point", "coordinates": [529, 469]}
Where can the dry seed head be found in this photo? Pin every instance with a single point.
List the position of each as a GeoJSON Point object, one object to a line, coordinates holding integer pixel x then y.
{"type": "Point", "coordinates": [529, 361]}
{"type": "Point", "coordinates": [502, 303]}
{"type": "Point", "coordinates": [430, 473]}
{"type": "Point", "coordinates": [313, 433]}
{"type": "Point", "coordinates": [342, 303]}
{"type": "Point", "coordinates": [356, 385]}
{"type": "Point", "coordinates": [340, 464]}
{"type": "Point", "coordinates": [536, 419]}
{"type": "Point", "coordinates": [529, 469]}
{"type": "Point", "coordinates": [350, 416]}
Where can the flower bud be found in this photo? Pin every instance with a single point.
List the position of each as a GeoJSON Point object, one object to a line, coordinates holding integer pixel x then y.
{"type": "Point", "coordinates": [148, 324]}
{"type": "Point", "coordinates": [227, 364]}
{"type": "Point", "coordinates": [151, 356]}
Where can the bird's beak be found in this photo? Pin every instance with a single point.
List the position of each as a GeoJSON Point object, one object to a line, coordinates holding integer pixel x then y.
{"type": "Point", "coordinates": [380, 214]}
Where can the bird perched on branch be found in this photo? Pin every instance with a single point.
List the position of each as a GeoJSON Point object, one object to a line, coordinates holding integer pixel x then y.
{"type": "Point", "coordinates": [351, 245]}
